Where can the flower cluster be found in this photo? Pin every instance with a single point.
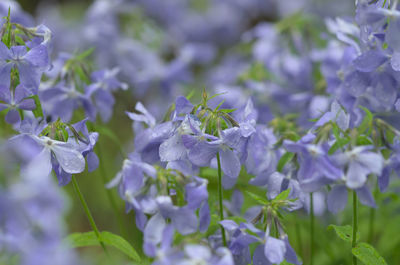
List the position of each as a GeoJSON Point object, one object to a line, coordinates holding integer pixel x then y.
{"type": "Point", "coordinates": [294, 117]}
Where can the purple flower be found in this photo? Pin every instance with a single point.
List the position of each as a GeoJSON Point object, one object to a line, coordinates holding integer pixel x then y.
{"type": "Point", "coordinates": [31, 223]}
{"type": "Point", "coordinates": [173, 148]}
{"type": "Point", "coordinates": [202, 151]}
{"type": "Point", "coordinates": [15, 101]}
{"type": "Point", "coordinates": [131, 180]}
{"type": "Point", "coordinates": [276, 250]}
{"type": "Point", "coordinates": [336, 114]}
{"type": "Point", "coordinates": [61, 100]}
{"type": "Point", "coordinates": [183, 219]}
{"type": "Point", "coordinates": [149, 135]}
{"type": "Point", "coordinates": [87, 147]}
{"type": "Point", "coordinates": [240, 239]}
{"type": "Point", "coordinates": [69, 159]}
{"type": "Point", "coordinates": [262, 158]}
{"type": "Point", "coordinates": [65, 158]}
{"type": "Point", "coordinates": [316, 167]}
{"type": "Point", "coordinates": [198, 254]}
{"type": "Point", "coordinates": [137, 186]}
{"type": "Point", "coordinates": [30, 65]}
{"type": "Point", "coordinates": [104, 82]}
{"type": "Point", "coordinates": [360, 162]}
{"type": "Point", "coordinates": [338, 197]}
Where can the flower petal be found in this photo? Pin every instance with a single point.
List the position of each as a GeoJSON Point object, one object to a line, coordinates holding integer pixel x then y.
{"type": "Point", "coordinates": [395, 61]}
{"type": "Point", "coordinates": [230, 163]}
{"type": "Point", "coordinates": [356, 175]}
{"type": "Point", "coordinates": [153, 231]}
{"type": "Point", "coordinates": [185, 221]}
{"type": "Point", "coordinates": [27, 104]}
{"type": "Point", "coordinates": [274, 250]}
{"type": "Point", "coordinates": [29, 76]}
{"type": "Point", "coordinates": [92, 161]}
{"type": "Point", "coordinates": [259, 257]}
{"type": "Point", "coordinates": [39, 167]}
{"type": "Point", "coordinates": [5, 94]}
{"type": "Point", "coordinates": [12, 116]}
{"type": "Point", "coordinates": [5, 70]}
{"type": "Point", "coordinates": [172, 149]}
{"type": "Point", "coordinates": [369, 61]}
{"type": "Point", "coordinates": [365, 196]}
{"type": "Point", "coordinates": [337, 199]}
{"type": "Point", "coordinates": [70, 160]}
{"type": "Point", "coordinates": [372, 161]}
{"type": "Point", "coordinates": [20, 93]}
{"type": "Point", "coordinates": [204, 217]}
{"type": "Point", "coordinates": [202, 153]}
{"type": "Point", "coordinates": [5, 53]}
{"type": "Point", "coordinates": [38, 56]}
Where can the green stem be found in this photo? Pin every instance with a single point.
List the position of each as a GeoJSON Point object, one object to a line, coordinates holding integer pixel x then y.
{"type": "Point", "coordinates": [88, 213]}
{"type": "Point", "coordinates": [371, 225]}
{"type": "Point", "coordinates": [110, 196]}
{"type": "Point", "coordinates": [355, 222]}
{"type": "Point", "coordinates": [220, 197]}
{"type": "Point", "coordinates": [299, 239]}
{"type": "Point", "coordinates": [276, 228]}
{"type": "Point", "coordinates": [311, 229]}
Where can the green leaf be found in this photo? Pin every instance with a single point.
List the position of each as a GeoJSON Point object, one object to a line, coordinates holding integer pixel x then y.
{"type": "Point", "coordinates": [219, 105]}
{"type": "Point", "coordinates": [76, 240]}
{"type": "Point", "coordinates": [335, 130]}
{"type": "Point", "coordinates": [190, 95]}
{"type": "Point", "coordinates": [282, 196]}
{"type": "Point", "coordinates": [284, 160]}
{"type": "Point", "coordinates": [84, 54]}
{"type": "Point", "coordinates": [19, 40]}
{"type": "Point", "coordinates": [227, 110]}
{"type": "Point", "coordinates": [89, 239]}
{"type": "Point", "coordinates": [341, 142]}
{"type": "Point", "coordinates": [368, 255]}
{"type": "Point", "coordinates": [216, 95]}
{"type": "Point", "coordinates": [7, 37]}
{"type": "Point", "coordinates": [214, 225]}
{"type": "Point", "coordinates": [363, 140]}
{"type": "Point", "coordinates": [366, 122]}
{"type": "Point", "coordinates": [81, 73]}
{"type": "Point", "coordinates": [258, 198]}
{"type": "Point", "coordinates": [237, 219]}
{"type": "Point", "coordinates": [65, 134]}
{"type": "Point", "coordinates": [38, 111]}
{"type": "Point", "coordinates": [344, 232]}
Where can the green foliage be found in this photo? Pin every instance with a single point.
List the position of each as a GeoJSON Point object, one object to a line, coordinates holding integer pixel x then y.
{"type": "Point", "coordinates": [83, 55]}
{"type": "Point", "coordinates": [7, 37]}
{"type": "Point", "coordinates": [286, 158]}
{"type": "Point", "coordinates": [363, 140]}
{"type": "Point", "coordinates": [368, 255]}
{"type": "Point", "coordinates": [89, 239]}
{"type": "Point", "coordinates": [344, 232]}
{"type": "Point", "coordinates": [258, 198]}
{"type": "Point", "coordinates": [38, 111]}
{"type": "Point", "coordinates": [282, 196]}
{"type": "Point", "coordinates": [340, 143]}
{"type": "Point", "coordinates": [366, 123]}
{"type": "Point", "coordinates": [257, 72]}
{"type": "Point", "coordinates": [214, 225]}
